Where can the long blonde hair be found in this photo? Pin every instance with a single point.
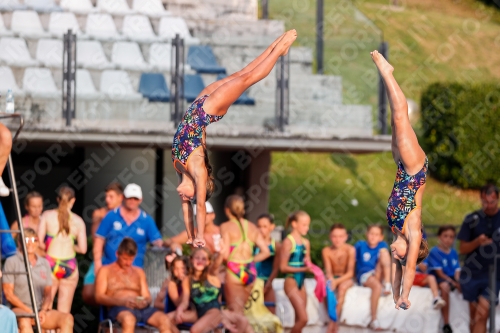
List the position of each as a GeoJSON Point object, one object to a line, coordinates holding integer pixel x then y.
{"type": "Point", "coordinates": [65, 195]}
{"type": "Point", "coordinates": [236, 206]}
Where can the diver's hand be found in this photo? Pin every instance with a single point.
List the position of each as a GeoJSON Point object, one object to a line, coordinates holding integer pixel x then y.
{"type": "Point", "coordinates": [403, 303]}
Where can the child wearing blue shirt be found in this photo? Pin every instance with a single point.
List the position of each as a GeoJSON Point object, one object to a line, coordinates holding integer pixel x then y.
{"type": "Point", "coordinates": [373, 268]}
{"type": "Point", "coordinates": [444, 265]}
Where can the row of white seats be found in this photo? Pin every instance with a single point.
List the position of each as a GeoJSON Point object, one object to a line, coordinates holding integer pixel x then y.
{"type": "Point", "coordinates": [89, 54]}
{"type": "Point", "coordinates": [39, 83]}
{"type": "Point", "coordinates": [27, 24]}
{"type": "Point", "coordinates": [152, 8]}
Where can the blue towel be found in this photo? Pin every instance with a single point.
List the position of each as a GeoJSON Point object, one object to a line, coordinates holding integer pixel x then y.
{"type": "Point", "coordinates": [8, 244]}
{"type": "Point", "coordinates": [331, 301]}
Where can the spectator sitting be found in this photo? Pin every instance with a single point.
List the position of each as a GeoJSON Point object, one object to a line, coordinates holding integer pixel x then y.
{"type": "Point", "coordinates": [422, 279]}
{"type": "Point", "coordinates": [5, 147]}
{"type": "Point", "coordinates": [444, 265]}
{"type": "Point", "coordinates": [202, 289]}
{"type": "Point", "coordinates": [480, 241]}
{"type": "Point", "coordinates": [7, 318]}
{"type": "Point", "coordinates": [339, 260]}
{"type": "Point", "coordinates": [17, 292]}
{"type": "Point", "coordinates": [373, 268]}
{"type": "Point", "coordinates": [124, 290]}
{"type": "Point", "coordinates": [114, 198]}
{"type": "Point", "coordinates": [172, 288]}
{"type": "Point", "coordinates": [33, 203]}
{"type": "Point", "coordinates": [129, 220]}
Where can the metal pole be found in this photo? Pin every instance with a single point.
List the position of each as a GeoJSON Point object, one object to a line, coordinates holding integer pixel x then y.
{"type": "Point", "coordinates": [68, 81]}
{"type": "Point", "coordinates": [382, 92]}
{"type": "Point", "coordinates": [177, 83]}
{"type": "Point", "coordinates": [319, 36]}
{"type": "Point", "coordinates": [23, 243]}
{"type": "Point", "coordinates": [282, 94]}
{"type": "Point", "coordinates": [265, 9]}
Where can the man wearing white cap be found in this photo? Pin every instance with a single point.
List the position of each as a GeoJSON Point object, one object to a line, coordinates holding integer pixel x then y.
{"type": "Point", "coordinates": [211, 234]}
{"type": "Point", "coordinates": [128, 220]}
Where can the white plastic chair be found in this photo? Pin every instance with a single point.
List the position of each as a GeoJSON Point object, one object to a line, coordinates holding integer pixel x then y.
{"type": "Point", "coordinates": [90, 54]}
{"type": "Point", "coordinates": [115, 7]}
{"type": "Point", "coordinates": [170, 26]}
{"type": "Point", "coordinates": [117, 86]}
{"type": "Point", "coordinates": [3, 30]}
{"type": "Point", "coordinates": [102, 27]}
{"type": "Point", "coordinates": [138, 28]}
{"type": "Point", "coordinates": [10, 5]}
{"type": "Point", "coordinates": [8, 82]}
{"type": "Point", "coordinates": [49, 52]}
{"type": "Point", "coordinates": [43, 6]}
{"type": "Point", "coordinates": [27, 24]}
{"type": "Point", "coordinates": [152, 8]}
{"type": "Point", "coordinates": [38, 82]}
{"type": "Point", "coordinates": [14, 52]}
{"type": "Point", "coordinates": [85, 86]}
{"type": "Point", "coordinates": [59, 24]}
{"type": "Point", "coordinates": [79, 6]}
{"type": "Point", "coordinates": [128, 55]}
{"type": "Point", "coordinates": [160, 56]}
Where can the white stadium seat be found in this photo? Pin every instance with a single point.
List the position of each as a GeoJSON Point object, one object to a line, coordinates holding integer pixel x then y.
{"type": "Point", "coordinates": [160, 56]}
{"type": "Point", "coordinates": [78, 6]}
{"type": "Point", "coordinates": [14, 52]}
{"type": "Point", "coordinates": [49, 52]}
{"type": "Point", "coordinates": [90, 54]}
{"type": "Point", "coordinates": [85, 86]}
{"type": "Point", "coordinates": [59, 24]}
{"type": "Point", "coordinates": [10, 5]}
{"type": "Point", "coordinates": [38, 82]}
{"type": "Point", "coordinates": [43, 5]}
{"type": "Point", "coordinates": [27, 24]}
{"type": "Point", "coordinates": [152, 8]}
{"type": "Point", "coordinates": [8, 82]}
{"type": "Point", "coordinates": [3, 29]}
{"type": "Point", "coordinates": [117, 86]}
{"type": "Point", "coordinates": [115, 7]}
{"type": "Point", "coordinates": [128, 55]}
{"type": "Point", "coordinates": [170, 26]}
{"type": "Point", "coordinates": [138, 28]}
{"type": "Point", "coordinates": [101, 26]}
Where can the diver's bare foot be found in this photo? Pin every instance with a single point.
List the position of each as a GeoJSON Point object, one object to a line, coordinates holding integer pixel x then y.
{"type": "Point", "coordinates": [287, 41]}
{"type": "Point", "coordinates": [273, 45]}
{"type": "Point", "coordinates": [199, 242]}
{"type": "Point", "coordinates": [383, 66]}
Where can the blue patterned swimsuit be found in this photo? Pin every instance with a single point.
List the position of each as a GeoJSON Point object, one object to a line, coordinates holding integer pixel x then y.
{"type": "Point", "coordinates": [189, 135]}
{"type": "Point", "coordinates": [402, 199]}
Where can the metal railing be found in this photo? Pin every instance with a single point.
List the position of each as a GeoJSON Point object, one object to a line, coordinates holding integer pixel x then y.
{"type": "Point", "coordinates": [69, 77]}
{"type": "Point", "coordinates": [177, 84]}
{"type": "Point", "coordinates": [20, 231]}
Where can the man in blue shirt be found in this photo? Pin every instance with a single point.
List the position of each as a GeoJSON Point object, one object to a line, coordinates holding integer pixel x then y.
{"type": "Point", "coordinates": [128, 220]}
{"type": "Point", "coordinates": [479, 239]}
{"type": "Point", "coordinates": [373, 265]}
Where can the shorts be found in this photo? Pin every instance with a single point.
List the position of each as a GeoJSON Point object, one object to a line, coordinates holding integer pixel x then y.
{"type": "Point", "coordinates": [473, 288]}
{"type": "Point", "coordinates": [419, 279]}
{"type": "Point", "coordinates": [142, 315]}
{"type": "Point", "coordinates": [90, 276]}
{"type": "Point", "coordinates": [365, 276]}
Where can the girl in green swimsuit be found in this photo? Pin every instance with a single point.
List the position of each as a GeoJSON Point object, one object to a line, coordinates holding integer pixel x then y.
{"type": "Point", "coordinates": [295, 252]}
{"type": "Point", "coordinates": [203, 290]}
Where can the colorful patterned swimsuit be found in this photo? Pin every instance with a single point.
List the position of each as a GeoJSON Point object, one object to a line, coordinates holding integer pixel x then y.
{"type": "Point", "coordinates": [402, 199]}
{"type": "Point", "coordinates": [189, 135]}
{"type": "Point", "coordinates": [243, 270]}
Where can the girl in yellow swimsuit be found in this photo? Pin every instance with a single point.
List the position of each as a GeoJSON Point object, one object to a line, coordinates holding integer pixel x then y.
{"type": "Point", "coordinates": [65, 235]}
{"type": "Point", "coordinates": [189, 152]}
{"type": "Point", "coordinates": [404, 210]}
{"type": "Point", "coordinates": [239, 238]}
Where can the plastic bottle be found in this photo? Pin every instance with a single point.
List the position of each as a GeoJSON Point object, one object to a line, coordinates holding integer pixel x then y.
{"type": "Point", "coordinates": [9, 107]}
